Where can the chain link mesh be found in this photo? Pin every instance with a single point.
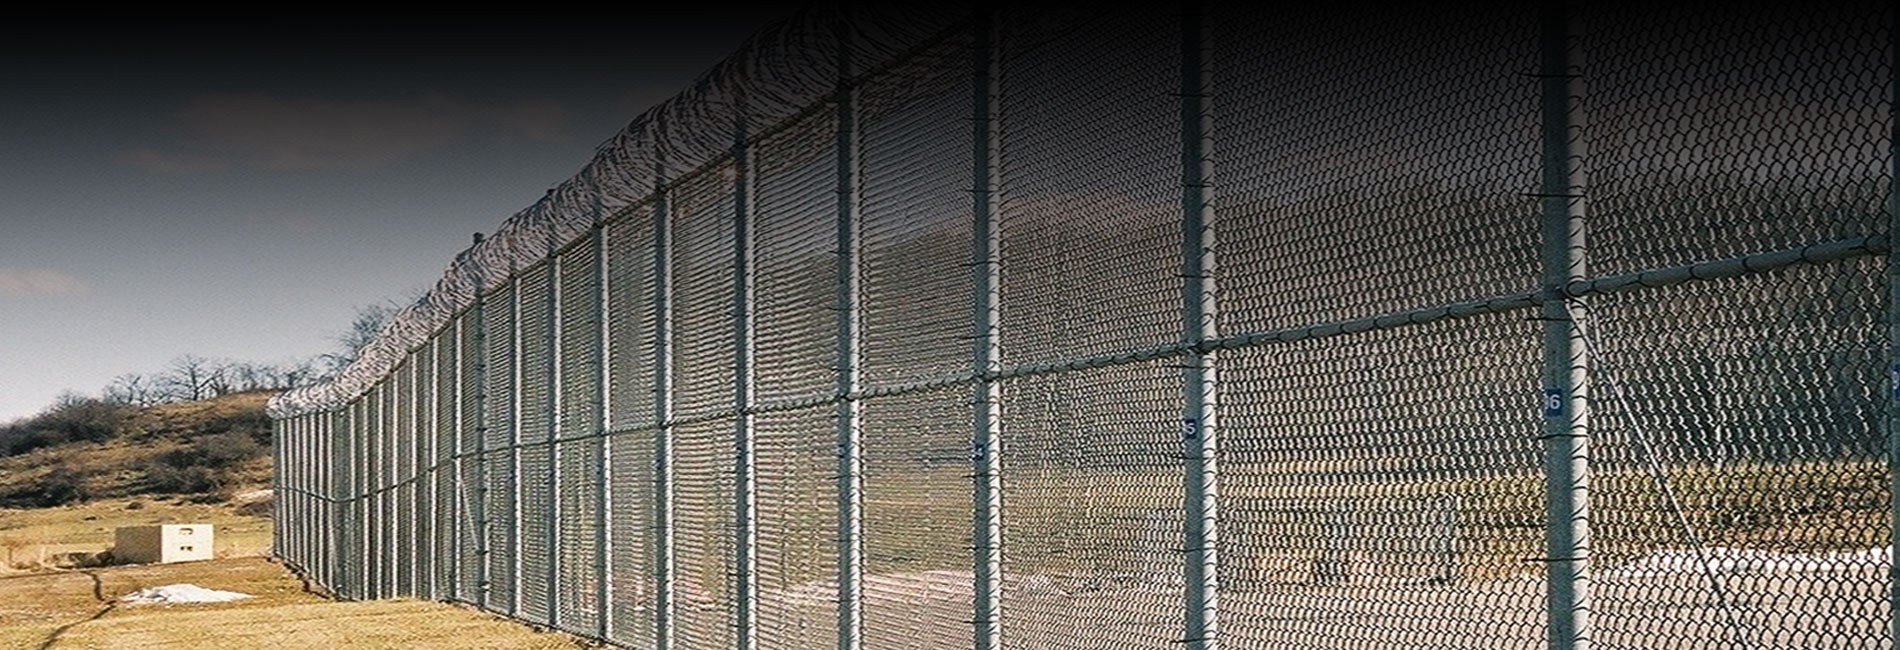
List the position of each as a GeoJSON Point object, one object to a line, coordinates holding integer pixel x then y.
{"type": "Point", "coordinates": [295, 512]}
{"type": "Point", "coordinates": [537, 509]}
{"type": "Point", "coordinates": [797, 519]}
{"type": "Point", "coordinates": [1092, 473]}
{"type": "Point", "coordinates": [703, 376]}
{"type": "Point", "coordinates": [917, 521]}
{"type": "Point", "coordinates": [349, 523]}
{"type": "Point", "coordinates": [703, 343]}
{"type": "Point", "coordinates": [1742, 475]}
{"type": "Point", "coordinates": [580, 460]}
{"type": "Point", "coordinates": [446, 501]}
{"type": "Point", "coordinates": [915, 205]}
{"type": "Point", "coordinates": [499, 321]}
{"type": "Point", "coordinates": [421, 473]}
{"type": "Point", "coordinates": [472, 483]}
{"type": "Point", "coordinates": [1717, 135]}
{"type": "Point", "coordinates": [376, 510]}
{"type": "Point", "coordinates": [1383, 470]}
{"type": "Point", "coordinates": [403, 439]}
{"type": "Point", "coordinates": [1385, 489]}
{"type": "Point", "coordinates": [796, 355]}
{"type": "Point", "coordinates": [1091, 202]}
{"type": "Point", "coordinates": [1358, 179]}
{"type": "Point", "coordinates": [704, 518]}
{"type": "Point", "coordinates": [1090, 232]}
{"type": "Point", "coordinates": [634, 455]}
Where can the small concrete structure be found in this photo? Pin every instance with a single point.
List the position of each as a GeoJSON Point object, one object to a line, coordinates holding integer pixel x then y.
{"type": "Point", "coordinates": [162, 543]}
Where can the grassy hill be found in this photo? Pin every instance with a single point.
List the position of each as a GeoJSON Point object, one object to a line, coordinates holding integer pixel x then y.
{"type": "Point", "coordinates": [207, 451]}
{"type": "Point", "coordinates": [72, 474]}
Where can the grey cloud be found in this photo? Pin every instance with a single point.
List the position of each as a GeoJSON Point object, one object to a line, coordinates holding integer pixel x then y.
{"type": "Point", "coordinates": [316, 134]}
{"type": "Point", "coordinates": [38, 283]}
{"type": "Point", "coordinates": [161, 162]}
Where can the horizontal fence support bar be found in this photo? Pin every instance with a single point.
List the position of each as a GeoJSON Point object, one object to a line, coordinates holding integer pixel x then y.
{"type": "Point", "coordinates": [1833, 251]}
{"type": "Point", "coordinates": [1732, 267]}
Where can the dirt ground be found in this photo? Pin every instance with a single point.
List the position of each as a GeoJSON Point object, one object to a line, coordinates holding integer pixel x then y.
{"type": "Point", "coordinates": [74, 609]}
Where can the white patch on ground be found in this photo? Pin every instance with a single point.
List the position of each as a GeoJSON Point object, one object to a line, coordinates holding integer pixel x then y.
{"type": "Point", "coordinates": [252, 496]}
{"type": "Point", "coordinates": [181, 593]}
{"type": "Point", "coordinates": [917, 588]}
{"type": "Point", "coordinates": [1736, 561]}
{"type": "Point", "coordinates": [953, 586]}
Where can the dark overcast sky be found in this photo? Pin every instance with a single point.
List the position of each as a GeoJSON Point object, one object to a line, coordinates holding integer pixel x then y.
{"type": "Point", "coordinates": [238, 187]}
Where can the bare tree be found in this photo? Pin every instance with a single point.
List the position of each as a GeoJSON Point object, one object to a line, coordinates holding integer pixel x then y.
{"type": "Point", "coordinates": [297, 373]}
{"type": "Point", "coordinates": [250, 375]}
{"type": "Point", "coordinates": [192, 377]}
{"type": "Point", "coordinates": [133, 389]}
{"type": "Point", "coordinates": [369, 323]}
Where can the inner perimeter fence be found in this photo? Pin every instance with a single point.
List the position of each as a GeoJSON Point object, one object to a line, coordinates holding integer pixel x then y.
{"type": "Point", "coordinates": [1435, 327]}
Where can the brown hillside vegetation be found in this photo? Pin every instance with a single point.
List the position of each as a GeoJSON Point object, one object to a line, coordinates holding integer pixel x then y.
{"type": "Point", "coordinates": [206, 451]}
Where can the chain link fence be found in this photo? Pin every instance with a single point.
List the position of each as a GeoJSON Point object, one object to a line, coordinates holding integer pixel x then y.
{"type": "Point", "coordinates": [1472, 328]}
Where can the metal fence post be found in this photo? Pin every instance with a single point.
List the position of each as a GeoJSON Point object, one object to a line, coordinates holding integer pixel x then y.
{"type": "Point", "coordinates": [356, 470]}
{"type": "Point", "coordinates": [332, 532]}
{"type": "Point", "coordinates": [279, 523]}
{"type": "Point", "coordinates": [453, 457]}
{"type": "Point", "coordinates": [386, 458]}
{"type": "Point", "coordinates": [364, 494]}
{"type": "Point", "coordinates": [340, 453]}
{"type": "Point", "coordinates": [287, 437]}
{"type": "Point", "coordinates": [385, 477]}
{"type": "Point", "coordinates": [986, 447]}
{"type": "Point", "coordinates": [479, 496]}
{"type": "Point", "coordinates": [555, 387]}
{"type": "Point", "coordinates": [603, 450]}
{"type": "Point", "coordinates": [412, 467]}
{"type": "Point", "coordinates": [746, 506]}
{"type": "Point", "coordinates": [426, 498]}
{"type": "Point", "coordinates": [306, 496]}
{"type": "Point", "coordinates": [360, 481]}
{"type": "Point", "coordinates": [1199, 433]}
{"type": "Point", "coordinates": [371, 505]}
{"type": "Point", "coordinates": [389, 436]}
{"type": "Point", "coordinates": [1566, 406]}
{"type": "Point", "coordinates": [312, 504]}
{"type": "Point", "coordinates": [426, 443]}
{"type": "Point", "coordinates": [663, 559]}
{"type": "Point", "coordinates": [448, 422]}
{"type": "Point", "coordinates": [514, 447]}
{"type": "Point", "coordinates": [339, 495]}
{"type": "Point", "coordinates": [297, 504]}
{"type": "Point", "coordinates": [850, 410]}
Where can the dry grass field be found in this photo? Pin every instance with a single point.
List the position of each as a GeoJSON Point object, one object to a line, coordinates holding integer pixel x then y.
{"type": "Point", "coordinates": [75, 609]}
{"type": "Point", "coordinates": [35, 539]}
{"type": "Point", "coordinates": [48, 603]}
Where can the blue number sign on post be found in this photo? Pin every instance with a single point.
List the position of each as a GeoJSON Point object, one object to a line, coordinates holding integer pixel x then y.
{"type": "Point", "coordinates": [1553, 402]}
